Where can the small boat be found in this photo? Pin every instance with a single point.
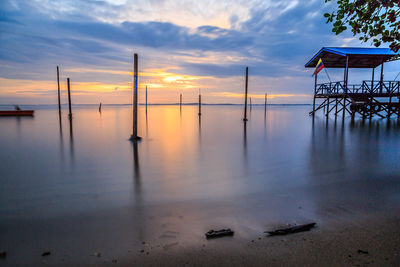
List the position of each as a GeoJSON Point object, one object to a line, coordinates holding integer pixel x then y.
{"type": "Point", "coordinates": [16, 112]}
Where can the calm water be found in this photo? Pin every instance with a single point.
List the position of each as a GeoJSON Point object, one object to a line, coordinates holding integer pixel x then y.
{"type": "Point", "coordinates": [74, 181]}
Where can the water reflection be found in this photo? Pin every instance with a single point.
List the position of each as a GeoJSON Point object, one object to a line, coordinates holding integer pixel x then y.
{"type": "Point", "coordinates": [354, 167]}
{"type": "Point", "coordinates": [199, 127]}
{"type": "Point", "coordinates": [147, 125]}
{"type": "Point", "coordinates": [136, 167]}
{"type": "Point", "coordinates": [71, 140]}
{"type": "Point", "coordinates": [245, 144]}
{"type": "Point", "coordinates": [279, 157]}
{"type": "Point", "coordinates": [61, 138]}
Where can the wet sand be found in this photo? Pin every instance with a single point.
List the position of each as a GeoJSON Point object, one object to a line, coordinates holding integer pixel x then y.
{"type": "Point", "coordinates": [334, 243]}
{"type": "Point", "coordinates": [372, 241]}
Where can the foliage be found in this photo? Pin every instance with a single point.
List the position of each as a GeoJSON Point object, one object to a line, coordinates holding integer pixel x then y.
{"type": "Point", "coordinates": [378, 20]}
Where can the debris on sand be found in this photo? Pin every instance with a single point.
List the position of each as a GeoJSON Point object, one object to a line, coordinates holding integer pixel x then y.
{"type": "Point", "coordinates": [219, 233]}
{"type": "Point", "coordinates": [3, 254]}
{"type": "Point", "coordinates": [362, 251]}
{"type": "Point", "coordinates": [114, 261]}
{"type": "Point", "coordinates": [293, 229]}
{"type": "Point", "coordinates": [46, 253]}
{"type": "Point", "coordinates": [97, 254]}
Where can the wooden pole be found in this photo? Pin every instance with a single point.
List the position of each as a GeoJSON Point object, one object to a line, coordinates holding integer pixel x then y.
{"type": "Point", "coordinates": [146, 99]}
{"type": "Point", "coordinates": [381, 83]}
{"type": "Point", "coordinates": [199, 104]}
{"type": "Point", "coordinates": [59, 98]}
{"type": "Point", "coordinates": [346, 78]}
{"type": "Point", "coordinates": [265, 105]}
{"type": "Point", "coordinates": [327, 107]}
{"type": "Point", "coordinates": [135, 136]}
{"type": "Point", "coordinates": [336, 104]}
{"type": "Point", "coordinates": [372, 80]}
{"type": "Point", "coordinates": [180, 102]}
{"type": "Point", "coordinates": [251, 106]}
{"type": "Point", "coordinates": [100, 107]}
{"type": "Point", "coordinates": [69, 100]}
{"type": "Point", "coordinates": [389, 107]}
{"type": "Point", "coordinates": [315, 92]}
{"type": "Point", "coordinates": [245, 94]}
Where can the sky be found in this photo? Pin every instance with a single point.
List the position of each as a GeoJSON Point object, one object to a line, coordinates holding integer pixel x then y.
{"type": "Point", "coordinates": [183, 46]}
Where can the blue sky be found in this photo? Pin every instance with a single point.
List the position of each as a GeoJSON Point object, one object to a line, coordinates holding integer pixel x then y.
{"type": "Point", "coordinates": [183, 46]}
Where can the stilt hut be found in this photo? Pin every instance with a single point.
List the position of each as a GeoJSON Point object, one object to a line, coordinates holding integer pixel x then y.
{"type": "Point", "coordinates": [369, 97]}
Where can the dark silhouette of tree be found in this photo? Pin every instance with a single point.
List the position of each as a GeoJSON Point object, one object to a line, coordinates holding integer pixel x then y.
{"type": "Point", "coordinates": [376, 20]}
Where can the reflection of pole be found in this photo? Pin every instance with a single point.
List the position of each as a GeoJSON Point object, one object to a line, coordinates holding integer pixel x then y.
{"type": "Point", "coordinates": [69, 100]}
{"type": "Point", "coordinates": [135, 99]}
{"type": "Point", "coordinates": [146, 99]}
{"type": "Point", "coordinates": [136, 164]}
{"type": "Point", "coordinates": [71, 139]}
{"type": "Point", "coordinates": [245, 95]}
{"type": "Point", "coordinates": [199, 128]}
{"type": "Point", "coordinates": [245, 144]}
{"type": "Point", "coordinates": [59, 99]}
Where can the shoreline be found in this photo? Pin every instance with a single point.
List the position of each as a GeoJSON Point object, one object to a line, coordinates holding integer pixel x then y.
{"type": "Point", "coordinates": [332, 243]}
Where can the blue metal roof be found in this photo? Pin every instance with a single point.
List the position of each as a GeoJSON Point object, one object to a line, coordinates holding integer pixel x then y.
{"type": "Point", "coordinates": [359, 57]}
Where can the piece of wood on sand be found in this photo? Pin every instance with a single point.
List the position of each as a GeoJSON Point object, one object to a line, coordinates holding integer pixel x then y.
{"type": "Point", "coordinates": [219, 233]}
{"type": "Point", "coordinates": [293, 229]}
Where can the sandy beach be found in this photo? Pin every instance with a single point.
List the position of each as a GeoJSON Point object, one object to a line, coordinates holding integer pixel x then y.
{"type": "Point", "coordinates": [361, 240]}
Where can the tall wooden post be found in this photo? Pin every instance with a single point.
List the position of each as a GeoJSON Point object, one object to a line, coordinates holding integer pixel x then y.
{"type": "Point", "coordinates": [346, 78]}
{"type": "Point", "coordinates": [315, 92]}
{"type": "Point", "coordinates": [146, 99]}
{"type": "Point", "coordinates": [372, 80]}
{"type": "Point", "coordinates": [199, 104]}
{"type": "Point", "coordinates": [265, 105]}
{"type": "Point", "coordinates": [69, 100]}
{"type": "Point", "coordinates": [346, 72]}
{"type": "Point", "coordinates": [58, 87]}
{"type": "Point", "coordinates": [327, 107]}
{"type": "Point", "coordinates": [381, 83]}
{"type": "Point", "coordinates": [180, 102]}
{"type": "Point", "coordinates": [251, 106]}
{"type": "Point", "coordinates": [245, 94]}
{"type": "Point", "coordinates": [135, 136]}
{"type": "Point", "coordinates": [336, 104]}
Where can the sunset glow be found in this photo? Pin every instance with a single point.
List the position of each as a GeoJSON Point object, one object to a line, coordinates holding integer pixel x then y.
{"type": "Point", "coordinates": [182, 48]}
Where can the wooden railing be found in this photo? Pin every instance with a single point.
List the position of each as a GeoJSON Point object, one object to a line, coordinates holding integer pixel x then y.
{"type": "Point", "coordinates": [366, 87]}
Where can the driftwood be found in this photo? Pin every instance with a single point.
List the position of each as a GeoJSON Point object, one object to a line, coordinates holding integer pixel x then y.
{"type": "Point", "coordinates": [219, 233]}
{"type": "Point", "coordinates": [291, 230]}
{"type": "Point", "coordinates": [46, 253]}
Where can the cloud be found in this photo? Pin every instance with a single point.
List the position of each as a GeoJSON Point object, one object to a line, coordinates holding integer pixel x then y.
{"type": "Point", "coordinates": [259, 96]}
{"type": "Point", "coordinates": [182, 45]}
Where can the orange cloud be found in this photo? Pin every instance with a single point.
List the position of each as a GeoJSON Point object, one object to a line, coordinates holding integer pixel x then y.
{"type": "Point", "coordinates": [269, 96]}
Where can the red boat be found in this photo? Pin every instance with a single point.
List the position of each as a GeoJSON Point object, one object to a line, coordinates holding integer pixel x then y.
{"type": "Point", "coordinates": [16, 112]}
